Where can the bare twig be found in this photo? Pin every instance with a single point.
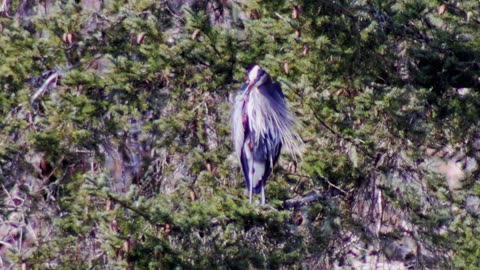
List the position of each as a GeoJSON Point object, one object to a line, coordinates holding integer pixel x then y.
{"type": "Point", "coordinates": [167, 8]}
{"type": "Point", "coordinates": [7, 193]}
{"type": "Point", "coordinates": [53, 77]}
{"type": "Point", "coordinates": [59, 162]}
{"type": "Point", "coordinates": [334, 186]}
{"type": "Point", "coordinates": [322, 178]}
{"type": "Point", "coordinates": [6, 244]}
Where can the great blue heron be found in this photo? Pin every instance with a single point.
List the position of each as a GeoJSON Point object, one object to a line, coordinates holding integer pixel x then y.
{"type": "Point", "coordinates": [261, 124]}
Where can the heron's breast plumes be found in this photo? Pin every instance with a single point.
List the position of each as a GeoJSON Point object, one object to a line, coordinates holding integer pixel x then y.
{"type": "Point", "coordinates": [269, 117]}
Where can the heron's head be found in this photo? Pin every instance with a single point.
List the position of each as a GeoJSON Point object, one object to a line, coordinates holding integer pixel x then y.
{"type": "Point", "coordinates": [256, 77]}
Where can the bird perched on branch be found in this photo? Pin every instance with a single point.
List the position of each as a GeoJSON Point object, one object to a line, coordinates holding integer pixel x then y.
{"type": "Point", "coordinates": [261, 125]}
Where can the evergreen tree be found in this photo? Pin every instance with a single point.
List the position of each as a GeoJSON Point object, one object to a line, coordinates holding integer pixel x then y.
{"type": "Point", "coordinates": [115, 148]}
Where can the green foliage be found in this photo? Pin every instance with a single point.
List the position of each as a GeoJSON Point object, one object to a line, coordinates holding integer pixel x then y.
{"type": "Point", "coordinates": [115, 133]}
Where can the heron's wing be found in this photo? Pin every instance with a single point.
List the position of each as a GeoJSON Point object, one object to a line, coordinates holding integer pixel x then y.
{"type": "Point", "coordinates": [277, 90]}
{"type": "Point", "coordinates": [280, 119]}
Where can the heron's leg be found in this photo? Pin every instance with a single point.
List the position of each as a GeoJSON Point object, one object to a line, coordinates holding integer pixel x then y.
{"type": "Point", "coordinates": [250, 185]}
{"type": "Point", "coordinates": [263, 194]}
{"type": "Point", "coordinates": [252, 175]}
{"type": "Point", "coordinates": [250, 193]}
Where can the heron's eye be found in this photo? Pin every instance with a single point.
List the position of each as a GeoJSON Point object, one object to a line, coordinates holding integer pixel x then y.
{"type": "Point", "coordinates": [260, 73]}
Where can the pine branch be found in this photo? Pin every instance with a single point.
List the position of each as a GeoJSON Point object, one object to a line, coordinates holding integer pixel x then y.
{"type": "Point", "coordinates": [334, 132]}
{"type": "Point", "coordinates": [123, 203]}
{"type": "Point", "coordinates": [308, 199]}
